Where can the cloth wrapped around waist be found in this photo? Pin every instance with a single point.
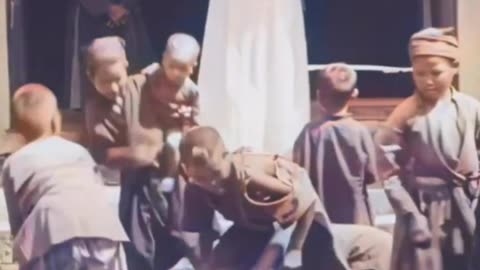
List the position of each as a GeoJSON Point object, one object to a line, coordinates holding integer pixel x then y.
{"type": "Point", "coordinates": [444, 202]}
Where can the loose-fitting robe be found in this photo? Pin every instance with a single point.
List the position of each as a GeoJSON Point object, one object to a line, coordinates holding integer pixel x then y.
{"type": "Point", "coordinates": [45, 183]}
{"type": "Point", "coordinates": [104, 127]}
{"type": "Point", "coordinates": [364, 247]}
{"type": "Point", "coordinates": [87, 21]}
{"type": "Point", "coordinates": [149, 215]}
{"type": "Point", "coordinates": [339, 155]}
{"type": "Point", "coordinates": [430, 177]}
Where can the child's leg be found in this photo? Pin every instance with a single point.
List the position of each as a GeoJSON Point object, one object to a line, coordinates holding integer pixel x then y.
{"type": "Point", "coordinates": [101, 254]}
{"type": "Point", "coordinates": [59, 257]}
{"type": "Point", "coordinates": [77, 254]}
{"type": "Point", "coordinates": [320, 251]}
{"type": "Point", "coordinates": [273, 255]}
{"type": "Point", "coordinates": [366, 247]}
{"type": "Point", "coordinates": [239, 249]}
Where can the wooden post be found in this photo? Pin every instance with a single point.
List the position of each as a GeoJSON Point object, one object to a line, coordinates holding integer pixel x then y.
{"type": "Point", "coordinates": [4, 78]}
{"type": "Point", "coordinates": [469, 39]}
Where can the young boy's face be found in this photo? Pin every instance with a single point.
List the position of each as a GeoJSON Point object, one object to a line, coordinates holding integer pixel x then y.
{"type": "Point", "coordinates": [205, 177]}
{"type": "Point", "coordinates": [109, 78]}
{"type": "Point", "coordinates": [176, 71]}
{"type": "Point", "coordinates": [433, 76]}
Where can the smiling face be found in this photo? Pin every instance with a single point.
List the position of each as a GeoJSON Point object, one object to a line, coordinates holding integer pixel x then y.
{"type": "Point", "coordinates": [433, 76]}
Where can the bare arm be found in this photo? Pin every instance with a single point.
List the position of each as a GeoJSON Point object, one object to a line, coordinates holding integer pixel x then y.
{"type": "Point", "coordinates": [131, 157]}
{"type": "Point", "coordinates": [391, 165]}
{"type": "Point", "coordinates": [197, 220]}
{"type": "Point", "coordinates": [293, 255]}
{"type": "Point", "coordinates": [267, 184]}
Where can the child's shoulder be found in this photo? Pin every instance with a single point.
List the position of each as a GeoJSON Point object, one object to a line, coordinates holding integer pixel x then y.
{"type": "Point", "coordinates": [340, 123]}
{"type": "Point", "coordinates": [466, 99]}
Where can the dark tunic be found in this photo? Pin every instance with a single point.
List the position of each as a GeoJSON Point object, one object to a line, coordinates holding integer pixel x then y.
{"type": "Point", "coordinates": [431, 177]}
{"type": "Point", "coordinates": [148, 215]}
{"type": "Point", "coordinates": [339, 155]}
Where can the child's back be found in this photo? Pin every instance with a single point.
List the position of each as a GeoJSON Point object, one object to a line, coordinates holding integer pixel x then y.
{"type": "Point", "coordinates": [338, 153]}
{"type": "Point", "coordinates": [54, 194]}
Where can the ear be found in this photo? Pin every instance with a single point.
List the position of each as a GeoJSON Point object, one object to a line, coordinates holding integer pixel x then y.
{"type": "Point", "coordinates": [355, 93]}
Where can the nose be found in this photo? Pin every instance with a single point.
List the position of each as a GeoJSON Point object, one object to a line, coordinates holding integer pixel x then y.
{"type": "Point", "coordinates": [429, 82]}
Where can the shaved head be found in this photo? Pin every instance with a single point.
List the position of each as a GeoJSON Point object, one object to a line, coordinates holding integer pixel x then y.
{"type": "Point", "coordinates": [337, 78]}
{"type": "Point", "coordinates": [35, 111]}
{"type": "Point", "coordinates": [336, 85]}
{"type": "Point", "coordinates": [202, 144]}
{"type": "Point", "coordinates": [182, 48]}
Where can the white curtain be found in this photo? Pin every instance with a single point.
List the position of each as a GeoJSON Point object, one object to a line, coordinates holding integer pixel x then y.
{"type": "Point", "coordinates": [254, 75]}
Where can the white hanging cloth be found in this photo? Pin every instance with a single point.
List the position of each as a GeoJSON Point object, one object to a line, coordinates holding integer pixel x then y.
{"type": "Point", "coordinates": [254, 73]}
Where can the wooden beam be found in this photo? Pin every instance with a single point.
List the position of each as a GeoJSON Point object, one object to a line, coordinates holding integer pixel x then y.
{"type": "Point", "coordinates": [469, 39]}
{"type": "Point", "coordinates": [4, 78]}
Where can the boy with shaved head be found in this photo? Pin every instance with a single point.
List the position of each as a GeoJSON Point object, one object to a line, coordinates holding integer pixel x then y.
{"type": "Point", "coordinates": [55, 226]}
{"type": "Point", "coordinates": [154, 105]}
{"type": "Point", "coordinates": [338, 151]}
{"type": "Point", "coordinates": [107, 64]}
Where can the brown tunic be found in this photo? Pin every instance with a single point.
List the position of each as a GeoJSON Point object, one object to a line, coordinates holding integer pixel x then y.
{"type": "Point", "coordinates": [104, 127]}
{"type": "Point", "coordinates": [339, 155]}
{"type": "Point", "coordinates": [45, 183]}
{"type": "Point", "coordinates": [430, 177]}
{"type": "Point", "coordinates": [237, 205]}
{"type": "Point", "coordinates": [251, 217]}
{"type": "Point", "coordinates": [146, 213]}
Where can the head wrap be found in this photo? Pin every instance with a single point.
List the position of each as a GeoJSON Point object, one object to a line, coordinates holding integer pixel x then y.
{"type": "Point", "coordinates": [434, 42]}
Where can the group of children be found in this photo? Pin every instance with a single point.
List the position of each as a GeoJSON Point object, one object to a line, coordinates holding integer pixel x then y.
{"type": "Point", "coordinates": [308, 212]}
